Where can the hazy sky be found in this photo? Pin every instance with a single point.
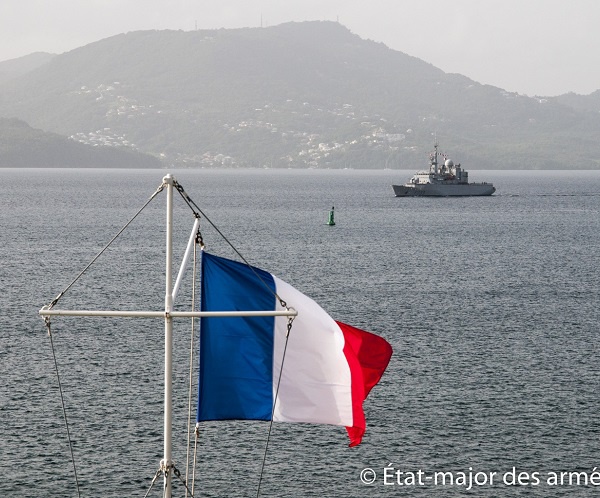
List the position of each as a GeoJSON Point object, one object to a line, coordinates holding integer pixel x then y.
{"type": "Point", "coordinates": [534, 47]}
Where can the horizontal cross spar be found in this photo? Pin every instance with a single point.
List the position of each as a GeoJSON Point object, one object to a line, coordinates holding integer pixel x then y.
{"type": "Point", "coordinates": [162, 314]}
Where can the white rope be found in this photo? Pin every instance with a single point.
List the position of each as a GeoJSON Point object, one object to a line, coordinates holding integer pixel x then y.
{"type": "Point", "coordinates": [191, 376]}
{"type": "Point", "coordinates": [197, 435]}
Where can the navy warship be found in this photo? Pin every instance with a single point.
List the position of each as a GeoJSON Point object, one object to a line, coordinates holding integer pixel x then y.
{"type": "Point", "coordinates": [445, 180]}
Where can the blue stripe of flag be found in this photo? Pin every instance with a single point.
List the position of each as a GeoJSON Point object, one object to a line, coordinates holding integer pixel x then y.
{"type": "Point", "coordinates": [236, 354]}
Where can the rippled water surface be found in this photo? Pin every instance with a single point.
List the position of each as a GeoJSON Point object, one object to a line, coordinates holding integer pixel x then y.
{"type": "Point", "coordinates": [491, 306]}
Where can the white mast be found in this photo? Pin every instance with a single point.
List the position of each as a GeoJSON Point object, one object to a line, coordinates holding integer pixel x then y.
{"type": "Point", "coordinates": [167, 460]}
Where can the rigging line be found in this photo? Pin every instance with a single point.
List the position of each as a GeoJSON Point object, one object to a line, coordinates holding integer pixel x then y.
{"type": "Point", "coordinates": [178, 475]}
{"type": "Point", "coordinates": [262, 468]}
{"type": "Point", "coordinates": [187, 460]}
{"type": "Point", "coordinates": [197, 436]}
{"type": "Point", "coordinates": [185, 196]}
{"type": "Point", "coordinates": [158, 472]}
{"type": "Point", "coordinates": [62, 401]}
{"type": "Point", "coordinates": [56, 299]}
{"type": "Point", "coordinates": [199, 212]}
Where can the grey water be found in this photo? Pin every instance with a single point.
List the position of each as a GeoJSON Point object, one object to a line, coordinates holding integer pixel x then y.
{"type": "Point", "coordinates": [491, 305]}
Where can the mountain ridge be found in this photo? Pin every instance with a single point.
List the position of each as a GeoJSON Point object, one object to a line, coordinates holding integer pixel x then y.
{"type": "Point", "coordinates": [310, 94]}
{"type": "Point", "coordinates": [14, 68]}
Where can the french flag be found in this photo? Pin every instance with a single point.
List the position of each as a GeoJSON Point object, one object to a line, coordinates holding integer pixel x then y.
{"type": "Point", "coordinates": [328, 367]}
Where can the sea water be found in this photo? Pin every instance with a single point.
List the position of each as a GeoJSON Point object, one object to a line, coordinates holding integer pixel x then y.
{"type": "Point", "coordinates": [491, 305]}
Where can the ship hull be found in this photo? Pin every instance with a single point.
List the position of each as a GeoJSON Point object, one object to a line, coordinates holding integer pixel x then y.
{"type": "Point", "coordinates": [440, 190]}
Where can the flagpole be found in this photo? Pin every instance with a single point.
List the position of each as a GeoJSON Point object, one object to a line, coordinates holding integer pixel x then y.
{"type": "Point", "coordinates": [167, 462]}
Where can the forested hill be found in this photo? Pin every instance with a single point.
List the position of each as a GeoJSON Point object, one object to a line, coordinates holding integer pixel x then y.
{"type": "Point", "coordinates": [24, 147]}
{"type": "Point", "coordinates": [310, 94]}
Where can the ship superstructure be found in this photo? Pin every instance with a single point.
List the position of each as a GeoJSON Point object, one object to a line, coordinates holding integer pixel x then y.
{"type": "Point", "coordinates": [447, 179]}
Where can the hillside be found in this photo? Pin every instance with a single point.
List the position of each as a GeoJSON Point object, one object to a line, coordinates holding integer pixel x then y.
{"type": "Point", "coordinates": [17, 67]}
{"type": "Point", "coordinates": [24, 147]}
{"type": "Point", "coordinates": [580, 103]}
{"type": "Point", "coordinates": [308, 94]}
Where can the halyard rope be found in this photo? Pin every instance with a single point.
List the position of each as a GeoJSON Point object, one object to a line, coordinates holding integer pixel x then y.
{"type": "Point", "coordinates": [196, 437]}
{"type": "Point", "coordinates": [191, 375]}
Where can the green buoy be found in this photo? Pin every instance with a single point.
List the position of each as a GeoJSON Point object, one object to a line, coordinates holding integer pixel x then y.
{"type": "Point", "coordinates": [331, 221]}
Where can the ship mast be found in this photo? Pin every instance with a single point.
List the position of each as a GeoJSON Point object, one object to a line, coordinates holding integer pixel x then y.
{"type": "Point", "coordinates": [434, 161]}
